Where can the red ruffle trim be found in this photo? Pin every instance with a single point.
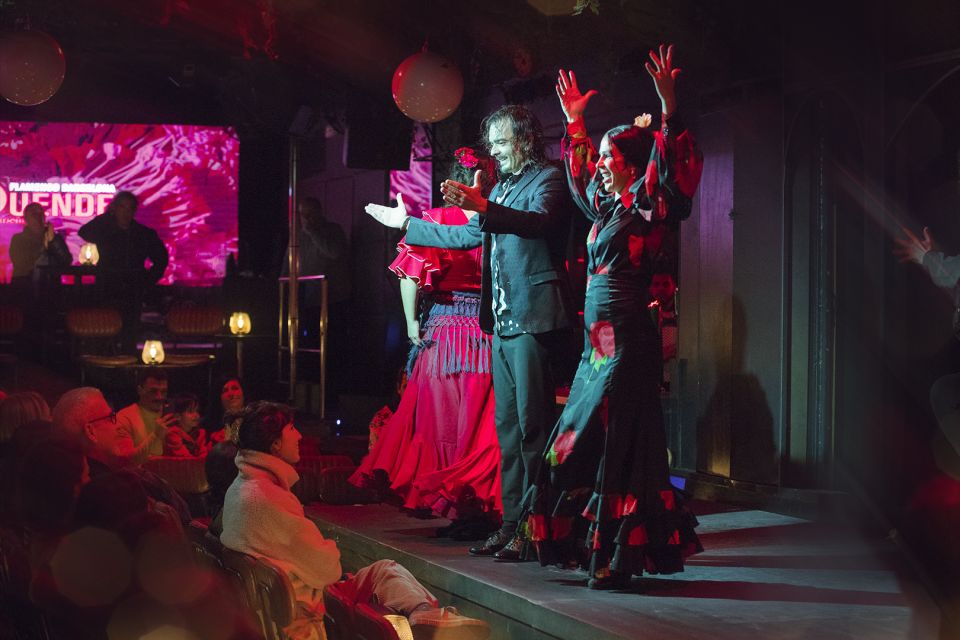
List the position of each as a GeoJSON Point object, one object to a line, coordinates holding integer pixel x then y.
{"type": "Point", "coordinates": [420, 264]}
{"type": "Point", "coordinates": [541, 527]}
{"type": "Point", "coordinates": [616, 506]}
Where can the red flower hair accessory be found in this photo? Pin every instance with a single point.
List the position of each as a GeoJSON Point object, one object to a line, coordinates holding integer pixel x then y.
{"type": "Point", "coordinates": [466, 157]}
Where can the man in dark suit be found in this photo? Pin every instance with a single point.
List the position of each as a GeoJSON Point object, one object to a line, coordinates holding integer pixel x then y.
{"type": "Point", "coordinates": [524, 301]}
{"type": "Point", "coordinates": [125, 246]}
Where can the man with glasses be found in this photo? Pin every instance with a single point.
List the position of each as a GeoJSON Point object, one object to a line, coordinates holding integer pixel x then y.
{"type": "Point", "coordinates": [523, 229]}
{"type": "Point", "coordinates": [83, 415]}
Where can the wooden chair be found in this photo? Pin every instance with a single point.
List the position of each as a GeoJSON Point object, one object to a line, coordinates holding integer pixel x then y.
{"type": "Point", "coordinates": [93, 339]}
{"type": "Point", "coordinates": [338, 614]}
{"type": "Point", "coordinates": [369, 623]}
{"type": "Point", "coordinates": [94, 327]}
{"type": "Point", "coordinates": [240, 571]}
{"type": "Point", "coordinates": [194, 328]}
{"type": "Point", "coordinates": [187, 476]}
{"type": "Point", "coordinates": [311, 468]}
{"type": "Point", "coordinates": [278, 601]}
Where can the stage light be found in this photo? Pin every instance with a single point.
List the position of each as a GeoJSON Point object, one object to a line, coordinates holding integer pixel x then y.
{"type": "Point", "coordinates": [152, 352]}
{"type": "Point", "coordinates": [31, 67]}
{"type": "Point", "coordinates": [89, 255]}
{"type": "Point", "coordinates": [401, 625]}
{"type": "Point", "coordinates": [240, 323]}
{"type": "Point", "coordinates": [427, 87]}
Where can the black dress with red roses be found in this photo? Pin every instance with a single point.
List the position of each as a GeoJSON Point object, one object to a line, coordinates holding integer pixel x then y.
{"type": "Point", "coordinates": [603, 498]}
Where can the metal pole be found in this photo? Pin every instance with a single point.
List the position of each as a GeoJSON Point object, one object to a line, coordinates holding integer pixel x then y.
{"type": "Point", "coordinates": [323, 347]}
{"type": "Point", "coordinates": [239, 341]}
{"type": "Point", "coordinates": [281, 315]}
{"type": "Point", "coordinates": [293, 304]}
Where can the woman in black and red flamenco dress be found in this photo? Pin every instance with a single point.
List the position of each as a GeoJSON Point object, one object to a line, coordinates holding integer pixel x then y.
{"type": "Point", "coordinates": [439, 451]}
{"type": "Point", "coordinates": [603, 498]}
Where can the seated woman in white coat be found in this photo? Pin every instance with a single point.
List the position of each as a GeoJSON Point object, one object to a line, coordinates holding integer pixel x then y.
{"type": "Point", "coordinates": [261, 517]}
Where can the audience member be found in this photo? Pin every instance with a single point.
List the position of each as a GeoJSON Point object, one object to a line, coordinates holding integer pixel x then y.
{"type": "Point", "coordinates": [37, 244]}
{"type": "Point", "coordinates": [221, 470]}
{"type": "Point", "coordinates": [263, 518]}
{"type": "Point", "coordinates": [19, 408]}
{"type": "Point", "coordinates": [84, 415]}
{"type": "Point", "coordinates": [24, 421]}
{"type": "Point", "coordinates": [125, 246]}
{"type": "Point", "coordinates": [663, 290]}
{"type": "Point", "coordinates": [185, 437]}
{"type": "Point", "coordinates": [144, 418]}
{"type": "Point", "coordinates": [168, 586]}
{"type": "Point", "coordinates": [48, 483]}
{"type": "Point", "coordinates": [225, 416]}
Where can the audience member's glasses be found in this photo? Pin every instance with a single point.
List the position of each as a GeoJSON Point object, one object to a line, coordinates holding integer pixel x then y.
{"type": "Point", "coordinates": [112, 417]}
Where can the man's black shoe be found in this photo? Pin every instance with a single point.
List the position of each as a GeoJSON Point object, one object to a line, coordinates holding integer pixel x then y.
{"type": "Point", "coordinates": [497, 540]}
{"type": "Point", "coordinates": [516, 550]}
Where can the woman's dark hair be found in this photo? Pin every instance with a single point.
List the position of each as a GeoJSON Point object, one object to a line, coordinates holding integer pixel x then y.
{"type": "Point", "coordinates": [634, 143]}
{"type": "Point", "coordinates": [527, 132]}
{"type": "Point", "coordinates": [460, 172]}
{"type": "Point", "coordinates": [221, 471]}
{"type": "Point", "coordinates": [262, 424]}
{"type": "Point", "coordinates": [183, 401]}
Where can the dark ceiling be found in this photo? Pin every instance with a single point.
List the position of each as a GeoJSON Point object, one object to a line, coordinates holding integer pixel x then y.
{"type": "Point", "coordinates": [253, 62]}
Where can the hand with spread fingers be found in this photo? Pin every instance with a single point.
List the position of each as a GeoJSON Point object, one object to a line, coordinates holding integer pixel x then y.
{"type": "Point", "coordinates": [572, 101]}
{"type": "Point", "coordinates": [664, 77]}
{"type": "Point", "coordinates": [910, 248]}
{"type": "Point", "coordinates": [389, 216]}
{"type": "Point", "coordinates": [464, 196]}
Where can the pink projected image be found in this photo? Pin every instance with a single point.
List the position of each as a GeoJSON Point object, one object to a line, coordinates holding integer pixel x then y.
{"type": "Point", "coordinates": [185, 177]}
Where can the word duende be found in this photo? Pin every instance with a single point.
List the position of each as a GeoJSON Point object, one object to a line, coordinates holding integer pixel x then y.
{"type": "Point", "coordinates": [59, 199]}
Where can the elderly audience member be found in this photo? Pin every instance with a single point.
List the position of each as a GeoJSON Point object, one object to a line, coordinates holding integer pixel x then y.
{"type": "Point", "coordinates": [84, 415]}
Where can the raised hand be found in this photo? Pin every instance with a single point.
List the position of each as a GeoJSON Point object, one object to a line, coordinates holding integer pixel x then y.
{"type": "Point", "coordinates": [464, 196]}
{"type": "Point", "coordinates": [389, 216]}
{"type": "Point", "coordinates": [664, 77]}
{"type": "Point", "coordinates": [572, 101]}
{"type": "Point", "coordinates": [911, 248]}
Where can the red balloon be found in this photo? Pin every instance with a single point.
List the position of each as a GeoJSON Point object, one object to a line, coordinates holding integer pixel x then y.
{"type": "Point", "coordinates": [31, 67]}
{"type": "Point", "coordinates": [427, 87]}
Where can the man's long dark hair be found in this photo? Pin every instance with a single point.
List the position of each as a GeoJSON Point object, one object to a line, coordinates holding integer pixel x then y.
{"type": "Point", "coordinates": [527, 132]}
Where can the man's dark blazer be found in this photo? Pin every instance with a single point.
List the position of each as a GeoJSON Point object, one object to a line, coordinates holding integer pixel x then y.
{"type": "Point", "coordinates": [530, 227]}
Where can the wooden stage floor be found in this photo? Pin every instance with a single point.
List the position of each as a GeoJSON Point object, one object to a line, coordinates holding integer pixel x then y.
{"type": "Point", "coordinates": [762, 576]}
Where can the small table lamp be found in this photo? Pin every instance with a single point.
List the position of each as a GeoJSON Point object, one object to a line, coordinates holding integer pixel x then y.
{"type": "Point", "coordinates": [239, 327]}
{"type": "Point", "coordinates": [89, 254]}
{"type": "Point", "coordinates": [152, 352]}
